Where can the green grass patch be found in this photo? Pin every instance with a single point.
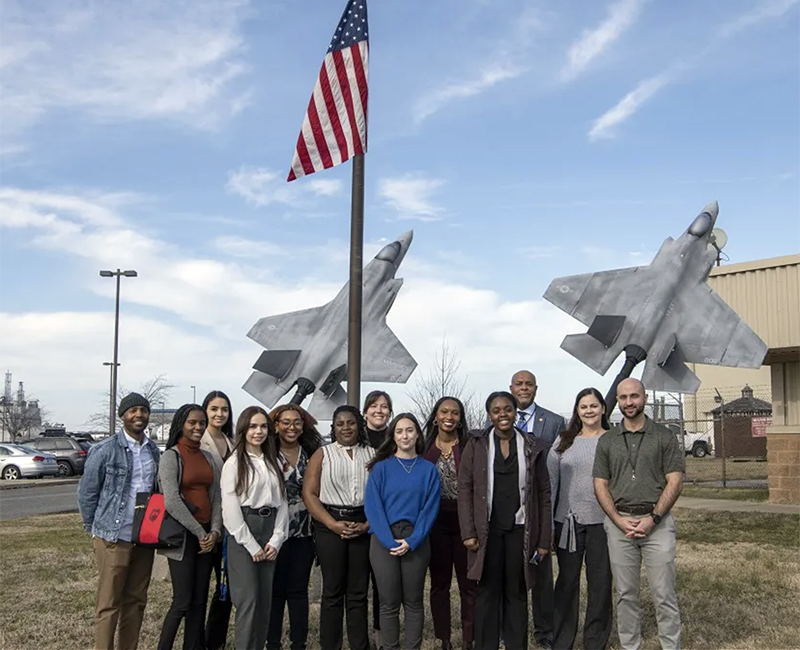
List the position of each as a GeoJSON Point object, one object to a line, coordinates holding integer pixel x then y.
{"type": "Point", "coordinates": [735, 494]}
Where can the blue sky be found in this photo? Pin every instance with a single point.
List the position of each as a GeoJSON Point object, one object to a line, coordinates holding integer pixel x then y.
{"type": "Point", "coordinates": [520, 140]}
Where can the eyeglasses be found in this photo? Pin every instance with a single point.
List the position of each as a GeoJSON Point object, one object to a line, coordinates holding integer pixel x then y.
{"type": "Point", "coordinates": [291, 424]}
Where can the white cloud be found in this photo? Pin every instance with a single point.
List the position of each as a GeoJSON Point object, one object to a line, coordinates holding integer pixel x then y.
{"type": "Point", "coordinates": [118, 61]}
{"type": "Point", "coordinates": [487, 78]}
{"type": "Point", "coordinates": [411, 196]}
{"type": "Point", "coordinates": [593, 42]}
{"type": "Point", "coordinates": [507, 62]}
{"type": "Point", "coordinates": [763, 11]}
{"type": "Point", "coordinates": [603, 126]}
{"type": "Point", "coordinates": [260, 186]}
{"type": "Point", "coordinates": [59, 354]}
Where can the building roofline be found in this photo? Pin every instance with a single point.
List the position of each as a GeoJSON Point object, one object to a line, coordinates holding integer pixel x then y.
{"type": "Point", "coordinates": [756, 265]}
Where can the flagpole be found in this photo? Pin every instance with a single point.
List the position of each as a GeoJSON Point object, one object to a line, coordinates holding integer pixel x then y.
{"type": "Point", "coordinates": [356, 275]}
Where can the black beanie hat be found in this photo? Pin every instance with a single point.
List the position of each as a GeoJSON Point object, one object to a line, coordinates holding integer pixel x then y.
{"type": "Point", "coordinates": [131, 400]}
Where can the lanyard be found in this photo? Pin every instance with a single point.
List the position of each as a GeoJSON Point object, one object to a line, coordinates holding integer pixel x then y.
{"type": "Point", "coordinates": [631, 457]}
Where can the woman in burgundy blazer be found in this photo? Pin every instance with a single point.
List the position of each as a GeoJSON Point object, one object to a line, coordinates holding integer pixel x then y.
{"type": "Point", "coordinates": [445, 437]}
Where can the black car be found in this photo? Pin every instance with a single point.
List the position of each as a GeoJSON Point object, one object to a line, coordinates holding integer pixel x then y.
{"type": "Point", "coordinates": [69, 452]}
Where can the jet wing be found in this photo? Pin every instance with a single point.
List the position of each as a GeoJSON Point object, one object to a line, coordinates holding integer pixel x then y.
{"type": "Point", "coordinates": [621, 292]}
{"type": "Point", "coordinates": [288, 331]}
{"type": "Point", "coordinates": [710, 332]}
{"type": "Point", "coordinates": [384, 358]}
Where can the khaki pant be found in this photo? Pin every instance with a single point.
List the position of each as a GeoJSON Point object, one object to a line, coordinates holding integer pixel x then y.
{"type": "Point", "coordinates": [121, 592]}
{"type": "Point", "coordinates": [657, 550]}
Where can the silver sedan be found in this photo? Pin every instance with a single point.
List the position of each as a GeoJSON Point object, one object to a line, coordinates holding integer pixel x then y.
{"type": "Point", "coordinates": [19, 461]}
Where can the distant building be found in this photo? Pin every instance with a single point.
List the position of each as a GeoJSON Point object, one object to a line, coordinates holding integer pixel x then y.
{"type": "Point", "coordinates": [766, 294]}
{"type": "Point", "coordinates": [19, 418]}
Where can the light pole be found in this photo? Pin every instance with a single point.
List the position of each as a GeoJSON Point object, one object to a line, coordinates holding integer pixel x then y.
{"type": "Point", "coordinates": [194, 394]}
{"type": "Point", "coordinates": [163, 415]}
{"type": "Point", "coordinates": [110, 365]}
{"type": "Point", "coordinates": [113, 398]}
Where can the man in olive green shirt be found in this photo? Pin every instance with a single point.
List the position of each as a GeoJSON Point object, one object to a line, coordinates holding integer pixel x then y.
{"type": "Point", "coordinates": [638, 476]}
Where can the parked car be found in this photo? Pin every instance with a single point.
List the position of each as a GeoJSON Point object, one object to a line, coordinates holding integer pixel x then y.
{"type": "Point", "coordinates": [70, 453]}
{"type": "Point", "coordinates": [698, 445]}
{"type": "Point", "coordinates": [18, 461]}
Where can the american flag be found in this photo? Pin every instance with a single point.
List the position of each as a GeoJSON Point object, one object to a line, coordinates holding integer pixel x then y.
{"type": "Point", "coordinates": [335, 125]}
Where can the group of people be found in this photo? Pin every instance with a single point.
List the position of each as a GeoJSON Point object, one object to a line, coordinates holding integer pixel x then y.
{"type": "Point", "coordinates": [388, 501]}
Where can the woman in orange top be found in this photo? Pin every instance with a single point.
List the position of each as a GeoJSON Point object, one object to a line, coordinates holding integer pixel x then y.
{"type": "Point", "coordinates": [190, 482]}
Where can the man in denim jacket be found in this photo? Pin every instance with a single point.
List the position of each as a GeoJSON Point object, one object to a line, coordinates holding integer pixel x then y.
{"type": "Point", "coordinates": [116, 469]}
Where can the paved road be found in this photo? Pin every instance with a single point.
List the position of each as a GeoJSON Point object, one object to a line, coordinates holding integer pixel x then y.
{"type": "Point", "coordinates": [44, 500]}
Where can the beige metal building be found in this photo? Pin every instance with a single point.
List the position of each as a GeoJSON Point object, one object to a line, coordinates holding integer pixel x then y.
{"type": "Point", "coordinates": [766, 294]}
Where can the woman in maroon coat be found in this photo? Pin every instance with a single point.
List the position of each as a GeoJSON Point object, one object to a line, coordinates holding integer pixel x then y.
{"type": "Point", "coordinates": [445, 437]}
{"type": "Point", "coordinates": [505, 516]}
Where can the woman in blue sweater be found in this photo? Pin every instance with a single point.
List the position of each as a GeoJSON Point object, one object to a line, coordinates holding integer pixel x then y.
{"type": "Point", "coordinates": [401, 503]}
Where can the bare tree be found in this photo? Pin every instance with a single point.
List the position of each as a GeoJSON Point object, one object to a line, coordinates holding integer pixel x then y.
{"type": "Point", "coordinates": [157, 391]}
{"type": "Point", "coordinates": [444, 379]}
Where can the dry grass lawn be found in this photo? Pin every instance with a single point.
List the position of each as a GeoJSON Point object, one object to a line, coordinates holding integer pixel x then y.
{"type": "Point", "coordinates": [738, 585]}
{"type": "Point", "coordinates": [710, 469]}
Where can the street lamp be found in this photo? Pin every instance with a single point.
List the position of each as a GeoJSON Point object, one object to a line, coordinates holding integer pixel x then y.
{"type": "Point", "coordinates": [194, 394]}
{"type": "Point", "coordinates": [112, 418]}
{"type": "Point", "coordinates": [110, 365]}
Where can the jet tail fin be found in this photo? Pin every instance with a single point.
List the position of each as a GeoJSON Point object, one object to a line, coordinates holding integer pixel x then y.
{"type": "Point", "coordinates": [264, 388]}
{"type": "Point", "coordinates": [322, 407]}
{"type": "Point", "coordinates": [591, 351]}
{"type": "Point", "coordinates": [276, 362]}
{"type": "Point", "coordinates": [670, 373]}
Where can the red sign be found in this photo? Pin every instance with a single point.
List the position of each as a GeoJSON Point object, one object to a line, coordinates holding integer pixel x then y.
{"type": "Point", "coordinates": [758, 426]}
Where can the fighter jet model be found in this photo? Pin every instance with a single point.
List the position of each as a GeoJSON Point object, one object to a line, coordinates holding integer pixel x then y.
{"type": "Point", "coordinates": [308, 348]}
{"type": "Point", "coordinates": [665, 313]}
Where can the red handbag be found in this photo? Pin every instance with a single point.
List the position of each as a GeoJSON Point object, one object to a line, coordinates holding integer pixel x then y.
{"type": "Point", "coordinates": [153, 526]}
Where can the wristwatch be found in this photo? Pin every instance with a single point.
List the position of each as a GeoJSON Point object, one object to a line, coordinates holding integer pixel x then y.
{"type": "Point", "coordinates": [656, 518]}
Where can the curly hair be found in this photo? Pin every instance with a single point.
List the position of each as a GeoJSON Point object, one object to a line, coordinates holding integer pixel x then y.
{"type": "Point", "coordinates": [362, 440]}
{"type": "Point", "coordinates": [310, 440]}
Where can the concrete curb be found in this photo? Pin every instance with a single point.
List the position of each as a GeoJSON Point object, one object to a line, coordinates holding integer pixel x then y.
{"type": "Point", "coordinates": [40, 482]}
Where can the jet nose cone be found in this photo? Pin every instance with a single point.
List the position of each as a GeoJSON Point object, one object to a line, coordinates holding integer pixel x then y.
{"type": "Point", "coordinates": [704, 221]}
{"type": "Point", "coordinates": [396, 251]}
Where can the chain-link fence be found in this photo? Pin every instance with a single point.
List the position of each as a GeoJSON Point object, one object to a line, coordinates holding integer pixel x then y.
{"type": "Point", "coordinates": [722, 431]}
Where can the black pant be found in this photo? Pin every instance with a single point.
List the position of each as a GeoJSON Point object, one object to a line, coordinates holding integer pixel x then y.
{"type": "Point", "coordinates": [190, 578]}
{"type": "Point", "coordinates": [542, 601]}
{"type": "Point", "coordinates": [502, 582]}
{"type": "Point", "coordinates": [448, 553]}
{"type": "Point", "coordinates": [593, 546]}
{"type": "Point", "coordinates": [219, 611]}
{"type": "Point", "coordinates": [345, 583]}
{"type": "Point", "coordinates": [290, 587]}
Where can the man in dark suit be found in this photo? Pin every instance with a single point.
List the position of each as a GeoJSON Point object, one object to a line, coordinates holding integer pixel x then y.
{"type": "Point", "coordinates": [544, 424]}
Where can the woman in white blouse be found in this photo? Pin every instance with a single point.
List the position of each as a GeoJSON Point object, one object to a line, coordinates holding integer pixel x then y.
{"type": "Point", "coordinates": [333, 491]}
{"type": "Point", "coordinates": [256, 518]}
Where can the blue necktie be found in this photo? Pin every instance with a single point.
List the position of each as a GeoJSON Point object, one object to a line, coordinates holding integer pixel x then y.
{"type": "Point", "coordinates": [523, 417]}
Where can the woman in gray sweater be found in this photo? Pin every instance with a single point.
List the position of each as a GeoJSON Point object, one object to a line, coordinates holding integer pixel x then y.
{"type": "Point", "coordinates": [579, 530]}
{"type": "Point", "coordinates": [190, 480]}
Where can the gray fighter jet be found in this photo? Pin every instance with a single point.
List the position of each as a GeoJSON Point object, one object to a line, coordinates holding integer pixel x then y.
{"type": "Point", "coordinates": [308, 348]}
{"type": "Point", "coordinates": [664, 312]}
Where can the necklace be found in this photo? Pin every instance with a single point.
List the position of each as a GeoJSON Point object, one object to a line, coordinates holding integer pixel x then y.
{"type": "Point", "coordinates": [407, 469]}
{"type": "Point", "coordinates": [446, 449]}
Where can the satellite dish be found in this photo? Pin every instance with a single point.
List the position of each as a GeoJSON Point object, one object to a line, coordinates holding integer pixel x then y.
{"type": "Point", "coordinates": [719, 238]}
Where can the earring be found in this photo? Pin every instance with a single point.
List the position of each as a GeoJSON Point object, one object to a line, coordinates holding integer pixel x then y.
{"type": "Point", "coordinates": [435, 423]}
